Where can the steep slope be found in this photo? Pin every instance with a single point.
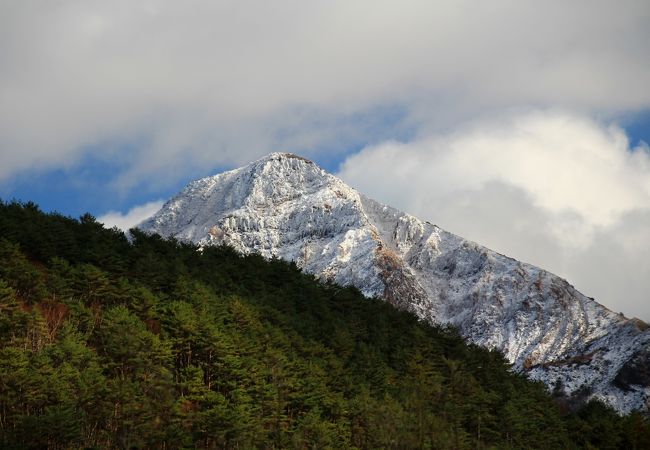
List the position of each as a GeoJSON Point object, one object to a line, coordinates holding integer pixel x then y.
{"type": "Point", "coordinates": [286, 207]}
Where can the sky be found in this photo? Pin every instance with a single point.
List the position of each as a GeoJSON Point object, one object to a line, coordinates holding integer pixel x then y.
{"type": "Point", "coordinates": [521, 125]}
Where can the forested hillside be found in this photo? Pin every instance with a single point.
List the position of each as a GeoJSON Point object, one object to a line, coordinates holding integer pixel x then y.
{"type": "Point", "coordinates": [106, 342]}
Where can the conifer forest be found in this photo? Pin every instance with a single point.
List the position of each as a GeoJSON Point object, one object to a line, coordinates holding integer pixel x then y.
{"type": "Point", "coordinates": [109, 341]}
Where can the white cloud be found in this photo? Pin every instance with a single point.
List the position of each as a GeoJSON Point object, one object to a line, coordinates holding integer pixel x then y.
{"type": "Point", "coordinates": [554, 189]}
{"type": "Point", "coordinates": [133, 217]}
{"type": "Point", "coordinates": [196, 83]}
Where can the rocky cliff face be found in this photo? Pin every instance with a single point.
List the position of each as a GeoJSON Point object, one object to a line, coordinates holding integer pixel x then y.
{"type": "Point", "coordinates": [287, 207]}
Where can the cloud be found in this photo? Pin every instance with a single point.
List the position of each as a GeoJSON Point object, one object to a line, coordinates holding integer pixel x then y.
{"type": "Point", "coordinates": [168, 90]}
{"type": "Point", "coordinates": [133, 217]}
{"type": "Point", "coordinates": [169, 87]}
{"type": "Point", "coordinates": [558, 190]}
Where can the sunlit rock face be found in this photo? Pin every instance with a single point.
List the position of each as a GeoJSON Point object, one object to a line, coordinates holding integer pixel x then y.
{"type": "Point", "coordinates": [287, 207]}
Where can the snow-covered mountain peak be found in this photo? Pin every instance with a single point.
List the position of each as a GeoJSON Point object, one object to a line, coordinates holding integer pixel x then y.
{"type": "Point", "coordinates": [287, 207]}
{"type": "Point", "coordinates": [281, 177]}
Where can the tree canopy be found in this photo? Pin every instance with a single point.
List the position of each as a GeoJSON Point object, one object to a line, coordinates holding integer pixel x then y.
{"type": "Point", "coordinates": [109, 342]}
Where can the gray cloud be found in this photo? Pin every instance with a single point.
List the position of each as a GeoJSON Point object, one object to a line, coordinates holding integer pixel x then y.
{"type": "Point", "coordinates": [196, 83]}
{"type": "Point", "coordinates": [556, 190]}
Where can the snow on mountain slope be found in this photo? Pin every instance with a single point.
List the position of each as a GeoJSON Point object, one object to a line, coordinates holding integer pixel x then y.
{"type": "Point", "coordinates": [287, 207]}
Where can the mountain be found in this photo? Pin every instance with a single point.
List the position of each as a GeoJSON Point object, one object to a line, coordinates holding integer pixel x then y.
{"type": "Point", "coordinates": [284, 206]}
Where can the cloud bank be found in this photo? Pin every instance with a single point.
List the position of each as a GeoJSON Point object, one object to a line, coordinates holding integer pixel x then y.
{"type": "Point", "coordinates": [168, 87]}
{"type": "Point", "coordinates": [554, 189]}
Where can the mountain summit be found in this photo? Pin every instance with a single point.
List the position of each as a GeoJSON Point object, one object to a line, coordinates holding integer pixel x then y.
{"type": "Point", "coordinates": [285, 206]}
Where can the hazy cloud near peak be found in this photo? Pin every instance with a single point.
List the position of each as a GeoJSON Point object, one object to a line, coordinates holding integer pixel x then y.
{"type": "Point", "coordinates": [184, 77]}
{"type": "Point", "coordinates": [557, 190]}
{"type": "Point", "coordinates": [133, 217]}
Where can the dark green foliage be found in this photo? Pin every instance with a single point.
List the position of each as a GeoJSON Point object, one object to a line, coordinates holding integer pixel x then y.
{"type": "Point", "coordinates": [106, 343]}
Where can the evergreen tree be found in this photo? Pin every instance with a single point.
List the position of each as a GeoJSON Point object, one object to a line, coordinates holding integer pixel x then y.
{"type": "Point", "coordinates": [152, 344]}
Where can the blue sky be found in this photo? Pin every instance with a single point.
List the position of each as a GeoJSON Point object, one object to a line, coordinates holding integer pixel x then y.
{"type": "Point", "coordinates": [88, 185]}
{"type": "Point", "coordinates": [518, 125]}
{"type": "Point", "coordinates": [637, 127]}
{"type": "Point", "coordinates": [85, 187]}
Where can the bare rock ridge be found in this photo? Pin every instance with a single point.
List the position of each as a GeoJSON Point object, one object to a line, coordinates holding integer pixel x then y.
{"type": "Point", "coordinates": [287, 207]}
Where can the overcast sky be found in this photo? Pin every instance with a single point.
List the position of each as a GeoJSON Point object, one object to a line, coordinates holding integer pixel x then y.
{"type": "Point", "coordinates": [520, 125]}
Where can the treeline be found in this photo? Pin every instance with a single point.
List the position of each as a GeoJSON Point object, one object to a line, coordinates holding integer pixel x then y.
{"type": "Point", "coordinates": [149, 343]}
